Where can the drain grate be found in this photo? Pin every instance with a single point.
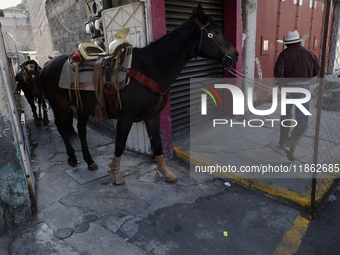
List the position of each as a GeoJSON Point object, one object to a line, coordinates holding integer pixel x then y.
{"type": "Point", "coordinates": [89, 218]}
{"type": "Point", "coordinates": [82, 227]}
{"type": "Point", "coordinates": [63, 233]}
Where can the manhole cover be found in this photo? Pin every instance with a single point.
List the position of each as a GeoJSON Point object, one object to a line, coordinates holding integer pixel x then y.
{"type": "Point", "coordinates": [82, 227]}
{"type": "Point", "coordinates": [89, 218]}
{"type": "Point", "coordinates": [63, 233]}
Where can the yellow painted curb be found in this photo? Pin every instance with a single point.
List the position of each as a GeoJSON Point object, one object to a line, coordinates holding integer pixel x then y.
{"type": "Point", "coordinates": [321, 190]}
{"type": "Point", "coordinates": [263, 185]}
{"type": "Point", "coordinates": [292, 239]}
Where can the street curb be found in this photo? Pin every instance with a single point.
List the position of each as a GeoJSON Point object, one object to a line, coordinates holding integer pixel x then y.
{"type": "Point", "coordinates": [302, 199]}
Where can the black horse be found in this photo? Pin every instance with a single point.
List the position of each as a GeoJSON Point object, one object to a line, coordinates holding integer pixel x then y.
{"type": "Point", "coordinates": [162, 61]}
{"type": "Point", "coordinates": [28, 82]}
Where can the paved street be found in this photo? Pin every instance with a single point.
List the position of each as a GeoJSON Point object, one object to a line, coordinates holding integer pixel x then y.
{"type": "Point", "coordinates": [82, 212]}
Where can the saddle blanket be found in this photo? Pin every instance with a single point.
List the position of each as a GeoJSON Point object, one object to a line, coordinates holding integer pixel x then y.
{"type": "Point", "coordinates": [67, 76]}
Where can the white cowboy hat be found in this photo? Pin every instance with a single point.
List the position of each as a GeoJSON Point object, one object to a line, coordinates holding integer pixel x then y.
{"type": "Point", "coordinates": [56, 53]}
{"type": "Point", "coordinates": [293, 37]}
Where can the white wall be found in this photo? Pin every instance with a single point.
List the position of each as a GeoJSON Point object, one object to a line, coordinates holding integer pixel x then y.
{"type": "Point", "coordinates": [249, 14]}
{"type": "Point", "coordinates": [40, 30]}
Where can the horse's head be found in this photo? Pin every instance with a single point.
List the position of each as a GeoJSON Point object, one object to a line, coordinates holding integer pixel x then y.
{"type": "Point", "coordinates": [213, 44]}
{"type": "Point", "coordinates": [31, 71]}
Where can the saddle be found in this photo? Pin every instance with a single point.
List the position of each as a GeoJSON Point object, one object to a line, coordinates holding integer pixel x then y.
{"type": "Point", "coordinates": [109, 71]}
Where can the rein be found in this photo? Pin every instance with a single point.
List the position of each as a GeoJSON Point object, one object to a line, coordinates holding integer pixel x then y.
{"type": "Point", "coordinates": [146, 81]}
{"type": "Point", "coordinates": [253, 82]}
{"type": "Point", "coordinates": [203, 28]}
{"type": "Point", "coordinates": [230, 69]}
{"type": "Point", "coordinates": [211, 36]}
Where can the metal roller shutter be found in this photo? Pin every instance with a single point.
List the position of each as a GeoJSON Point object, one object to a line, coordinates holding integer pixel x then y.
{"type": "Point", "coordinates": [176, 12]}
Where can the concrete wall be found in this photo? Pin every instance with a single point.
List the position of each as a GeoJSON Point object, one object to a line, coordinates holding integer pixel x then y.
{"type": "Point", "coordinates": [17, 32]}
{"type": "Point", "coordinates": [60, 25]}
{"type": "Point", "coordinates": [41, 31]}
{"type": "Point", "coordinates": [249, 16]}
{"type": "Point", "coordinates": [66, 21]}
{"type": "Point", "coordinates": [14, 196]}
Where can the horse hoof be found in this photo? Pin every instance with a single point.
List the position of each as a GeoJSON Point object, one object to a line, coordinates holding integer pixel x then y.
{"type": "Point", "coordinates": [171, 181]}
{"type": "Point", "coordinates": [46, 122]}
{"type": "Point", "coordinates": [119, 183]}
{"type": "Point", "coordinates": [92, 167]}
{"type": "Point", "coordinates": [114, 181]}
{"type": "Point", "coordinates": [73, 164]}
{"type": "Point", "coordinates": [37, 123]}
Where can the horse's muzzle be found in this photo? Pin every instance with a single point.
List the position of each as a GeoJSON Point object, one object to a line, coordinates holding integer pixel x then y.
{"type": "Point", "coordinates": [230, 60]}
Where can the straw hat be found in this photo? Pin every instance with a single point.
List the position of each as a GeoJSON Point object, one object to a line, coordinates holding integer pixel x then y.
{"type": "Point", "coordinates": [293, 37]}
{"type": "Point", "coordinates": [56, 53]}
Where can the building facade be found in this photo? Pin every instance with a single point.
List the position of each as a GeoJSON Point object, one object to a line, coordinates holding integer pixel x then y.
{"type": "Point", "coordinates": [253, 26]}
{"type": "Point", "coordinates": [16, 30]}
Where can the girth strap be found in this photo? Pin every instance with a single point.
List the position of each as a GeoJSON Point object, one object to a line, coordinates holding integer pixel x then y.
{"type": "Point", "coordinates": [151, 84]}
{"type": "Point", "coordinates": [146, 81]}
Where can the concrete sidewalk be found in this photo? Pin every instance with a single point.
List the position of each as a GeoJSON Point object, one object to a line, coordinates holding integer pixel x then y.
{"type": "Point", "coordinates": [82, 212]}
{"type": "Point", "coordinates": [241, 146]}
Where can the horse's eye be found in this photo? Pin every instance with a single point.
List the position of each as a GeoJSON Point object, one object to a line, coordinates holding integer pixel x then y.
{"type": "Point", "coordinates": [217, 30]}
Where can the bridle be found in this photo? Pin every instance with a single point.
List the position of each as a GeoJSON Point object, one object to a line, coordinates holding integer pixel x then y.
{"type": "Point", "coordinates": [211, 36]}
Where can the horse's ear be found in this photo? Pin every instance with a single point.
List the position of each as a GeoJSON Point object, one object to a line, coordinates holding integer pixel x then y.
{"type": "Point", "coordinates": [200, 12]}
{"type": "Point", "coordinates": [34, 62]}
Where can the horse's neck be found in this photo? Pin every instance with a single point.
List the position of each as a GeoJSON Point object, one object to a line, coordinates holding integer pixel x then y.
{"type": "Point", "coordinates": [171, 53]}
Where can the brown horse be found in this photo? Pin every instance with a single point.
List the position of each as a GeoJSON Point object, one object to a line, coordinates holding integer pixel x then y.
{"type": "Point", "coordinates": [28, 82]}
{"type": "Point", "coordinates": [161, 61]}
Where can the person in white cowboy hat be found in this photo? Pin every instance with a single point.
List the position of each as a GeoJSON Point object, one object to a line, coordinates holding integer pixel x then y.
{"type": "Point", "coordinates": [294, 67]}
{"type": "Point", "coordinates": [56, 53]}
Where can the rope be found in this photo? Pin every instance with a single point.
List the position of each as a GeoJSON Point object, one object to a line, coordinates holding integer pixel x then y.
{"type": "Point", "coordinates": [234, 72]}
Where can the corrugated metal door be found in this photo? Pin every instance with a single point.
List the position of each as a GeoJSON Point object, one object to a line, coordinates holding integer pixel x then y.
{"type": "Point", "coordinates": [176, 12]}
{"type": "Point", "coordinates": [129, 16]}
